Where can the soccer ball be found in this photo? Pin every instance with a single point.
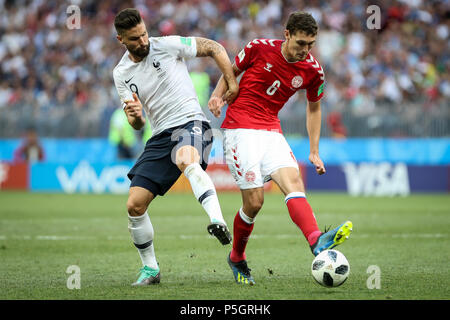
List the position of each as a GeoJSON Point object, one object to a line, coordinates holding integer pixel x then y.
{"type": "Point", "coordinates": [330, 268]}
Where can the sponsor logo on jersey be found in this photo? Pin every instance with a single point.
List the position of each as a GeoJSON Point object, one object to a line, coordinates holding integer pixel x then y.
{"type": "Point", "coordinates": [126, 81]}
{"type": "Point", "coordinates": [297, 82]}
{"type": "Point", "coordinates": [268, 66]}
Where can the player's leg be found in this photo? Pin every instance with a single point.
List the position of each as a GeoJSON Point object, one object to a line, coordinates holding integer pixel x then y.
{"type": "Point", "coordinates": [244, 150]}
{"type": "Point", "coordinates": [282, 166]}
{"type": "Point", "coordinates": [301, 213]}
{"type": "Point", "coordinates": [188, 161]}
{"type": "Point", "coordinates": [252, 201]}
{"type": "Point", "coordinates": [141, 229]}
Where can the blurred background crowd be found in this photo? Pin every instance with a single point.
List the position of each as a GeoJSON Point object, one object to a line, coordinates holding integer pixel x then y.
{"type": "Point", "coordinates": [391, 82]}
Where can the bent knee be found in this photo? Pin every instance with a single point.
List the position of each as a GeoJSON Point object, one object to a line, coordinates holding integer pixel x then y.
{"type": "Point", "coordinates": [138, 200]}
{"type": "Point", "coordinates": [135, 207]}
{"type": "Point", "coordinates": [185, 156]}
{"type": "Point", "coordinates": [253, 206]}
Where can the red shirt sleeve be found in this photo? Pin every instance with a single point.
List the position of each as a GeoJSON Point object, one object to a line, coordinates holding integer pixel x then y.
{"type": "Point", "coordinates": [315, 91]}
{"type": "Point", "coordinates": [246, 57]}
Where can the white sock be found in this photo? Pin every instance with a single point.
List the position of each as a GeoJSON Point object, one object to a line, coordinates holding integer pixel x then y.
{"type": "Point", "coordinates": [245, 217]}
{"type": "Point", "coordinates": [141, 230]}
{"type": "Point", "coordinates": [204, 191]}
{"type": "Point", "coordinates": [294, 195]}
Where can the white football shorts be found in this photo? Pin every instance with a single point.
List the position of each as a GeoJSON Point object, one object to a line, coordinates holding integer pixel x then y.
{"type": "Point", "coordinates": [253, 155]}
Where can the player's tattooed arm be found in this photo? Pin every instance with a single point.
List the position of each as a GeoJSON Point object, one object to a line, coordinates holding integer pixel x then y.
{"type": "Point", "coordinates": [208, 47]}
{"type": "Point", "coordinates": [218, 98]}
{"type": "Point", "coordinates": [211, 48]}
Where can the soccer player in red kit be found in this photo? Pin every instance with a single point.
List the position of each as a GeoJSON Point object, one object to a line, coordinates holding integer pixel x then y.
{"type": "Point", "coordinates": [255, 149]}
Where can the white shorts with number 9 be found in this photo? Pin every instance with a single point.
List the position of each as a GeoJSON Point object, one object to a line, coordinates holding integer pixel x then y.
{"type": "Point", "coordinates": [253, 155]}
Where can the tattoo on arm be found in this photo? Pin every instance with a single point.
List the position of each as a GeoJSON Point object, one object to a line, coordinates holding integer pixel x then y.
{"type": "Point", "coordinates": [207, 47]}
{"type": "Point", "coordinates": [236, 70]}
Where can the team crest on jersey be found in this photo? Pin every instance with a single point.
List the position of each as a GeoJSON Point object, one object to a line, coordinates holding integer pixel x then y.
{"type": "Point", "coordinates": [250, 176]}
{"type": "Point", "coordinates": [297, 82]}
{"type": "Point", "coordinates": [161, 73]}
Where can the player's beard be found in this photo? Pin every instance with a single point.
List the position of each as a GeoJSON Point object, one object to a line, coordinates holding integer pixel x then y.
{"type": "Point", "coordinates": [141, 52]}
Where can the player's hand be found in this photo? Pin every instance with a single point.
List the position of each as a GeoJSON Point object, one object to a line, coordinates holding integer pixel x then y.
{"type": "Point", "coordinates": [215, 105]}
{"type": "Point", "coordinates": [133, 107]}
{"type": "Point", "coordinates": [317, 162]}
{"type": "Point", "coordinates": [232, 92]}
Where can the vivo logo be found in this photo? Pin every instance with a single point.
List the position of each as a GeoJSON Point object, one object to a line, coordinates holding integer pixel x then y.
{"type": "Point", "coordinates": [85, 179]}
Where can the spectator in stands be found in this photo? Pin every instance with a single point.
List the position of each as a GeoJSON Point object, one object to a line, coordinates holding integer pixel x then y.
{"type": "Point", "coordinates": [40, 58]}
{"type": "Point", "coordinates": [31, 149]}
{"type": "Point", "coordinates": [337, 128]}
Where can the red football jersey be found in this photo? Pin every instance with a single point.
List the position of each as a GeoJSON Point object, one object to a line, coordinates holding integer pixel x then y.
{"type": "Point", "coordinates": [268, 83]}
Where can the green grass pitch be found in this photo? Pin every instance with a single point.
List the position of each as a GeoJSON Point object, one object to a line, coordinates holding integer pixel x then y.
{"type": "Point", "coordinates": [41, 235]}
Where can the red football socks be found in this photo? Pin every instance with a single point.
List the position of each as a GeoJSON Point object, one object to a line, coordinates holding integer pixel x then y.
{"type": "Point", "coordinates": [302, 215]}
{"type": "Point", "coordinates": [241, 233]}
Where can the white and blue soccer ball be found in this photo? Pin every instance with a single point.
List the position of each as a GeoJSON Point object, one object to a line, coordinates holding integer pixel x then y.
{"type": "Point", "coordinates": [330, 268]}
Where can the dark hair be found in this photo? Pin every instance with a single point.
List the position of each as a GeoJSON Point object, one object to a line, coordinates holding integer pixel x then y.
{"type": "Point", "coordinates": [127, 19]}
{"type": "Point", "coordinates": [302, 21]}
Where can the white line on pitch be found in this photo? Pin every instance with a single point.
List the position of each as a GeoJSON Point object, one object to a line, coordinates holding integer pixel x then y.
{"type": "Point", "coordinates": [198, 236]}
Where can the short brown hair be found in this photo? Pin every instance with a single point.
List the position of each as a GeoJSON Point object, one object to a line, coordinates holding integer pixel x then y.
{"type": "Point", "coordinates": [127, 19]}
{"type": "Point", "coordinates": [302, 21]}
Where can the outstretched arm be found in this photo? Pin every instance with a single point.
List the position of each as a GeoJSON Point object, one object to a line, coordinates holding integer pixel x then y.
{"type": "Point", "coordinates": [211, 48]}
{"type": "Point", "coordinates": [313, 123]}
{"type": "Point", "coordinates": [218, 97]}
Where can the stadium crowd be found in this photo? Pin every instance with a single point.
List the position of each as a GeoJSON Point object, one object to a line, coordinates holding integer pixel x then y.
{"type": "Point", "coordinates": [391, 81]}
